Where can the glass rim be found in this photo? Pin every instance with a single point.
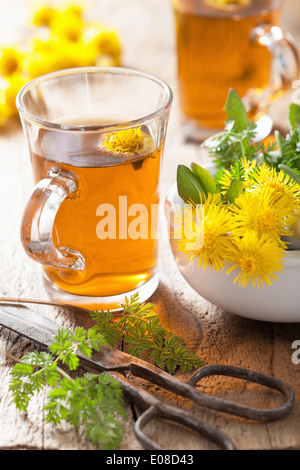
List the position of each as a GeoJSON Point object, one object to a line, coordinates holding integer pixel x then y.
{"type": "Point", "coordinates": [84, 70]}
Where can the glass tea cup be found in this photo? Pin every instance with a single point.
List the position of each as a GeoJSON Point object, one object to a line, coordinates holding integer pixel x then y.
{"type": "Point", "coordinates": [224, 44]}
{"type": "Point", "coordinates": [96, 138]}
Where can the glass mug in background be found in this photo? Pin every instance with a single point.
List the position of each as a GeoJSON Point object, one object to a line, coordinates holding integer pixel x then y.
{"type": "Point", "coordinates": [224, 44]}
{"type": "Point", "coordinates": [96, 137]}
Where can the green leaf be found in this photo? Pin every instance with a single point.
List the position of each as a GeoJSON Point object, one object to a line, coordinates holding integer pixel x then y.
{"type": "Point", "coordinates": [61, 342]}
{"type": "Point", "coordinates": [235, 188]}
{"type": "Point", "coordinates": [106, 327]}
{"type": "Point", "coordinates": [280, 143]}
{"type": "Point", "coordinates": [96, 340]}
{"type": "Point", "coordinates": [188, 186]}
{"type": "Point", "coordinates": [294, 115]}
{"type": "Point", "coordinates": [71, 360]}
{"type": "Point", "coordinates": [78, 335]}
{"type": "Point", "coordinates": [92, 401]}
{"type": "Point", "coordinates": [37, 359]}
{"type": "Point", "coordinates": [236, 111]}
{"type": "Point", "coordinates": [292, 174]}
{"type": "Point", "coordinates": [206, 180]}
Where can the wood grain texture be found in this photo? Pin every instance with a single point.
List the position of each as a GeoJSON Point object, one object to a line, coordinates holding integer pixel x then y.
{"type": "Point", "coordinates": [218, 337]}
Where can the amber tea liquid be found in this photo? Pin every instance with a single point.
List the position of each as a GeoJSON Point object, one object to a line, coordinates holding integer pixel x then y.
{"type": "Point", "coordinates": [215, 53]}
{"type": "Point", "coordinates": [112, 265]}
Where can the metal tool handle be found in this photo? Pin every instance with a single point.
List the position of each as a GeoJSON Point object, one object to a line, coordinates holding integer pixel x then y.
{"type": "Point", "coordinates": [177, 416]}
{"type": "Point", "coordinates": [188, 390]}
{"type": "Point", "coordinates": [156, 409]}
{"type": "Point", "coordinates": [243, 410]}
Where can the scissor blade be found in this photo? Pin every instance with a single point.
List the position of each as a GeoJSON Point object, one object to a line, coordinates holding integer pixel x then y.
{"type": "Point", "coordinates": [41, 330]}
{"type": "Point", "coordinates": [29, 324]}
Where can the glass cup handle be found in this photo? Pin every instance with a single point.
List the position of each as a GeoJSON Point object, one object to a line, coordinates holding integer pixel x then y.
{"type": "Point", "coordinates": [38, 222]}
{"type": "Point", "coordinates": [286, 66]}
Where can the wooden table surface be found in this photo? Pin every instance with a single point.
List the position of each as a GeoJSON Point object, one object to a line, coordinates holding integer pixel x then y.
{"type": "Point", "coordinates": [218, 337]}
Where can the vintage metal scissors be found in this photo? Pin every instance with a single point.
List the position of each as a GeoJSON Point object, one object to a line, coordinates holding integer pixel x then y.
{"type": "Point", "coordinates": [41, 330]}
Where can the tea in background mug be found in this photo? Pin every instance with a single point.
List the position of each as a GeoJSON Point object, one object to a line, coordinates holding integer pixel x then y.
{"type": "Point", "coordinates": [96, 138]}
{"type": "Point", "coordinates": [224, 44]}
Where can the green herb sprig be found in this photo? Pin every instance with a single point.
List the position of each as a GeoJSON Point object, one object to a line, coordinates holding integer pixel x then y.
{"type": "Point", "coordinates": [94, 402]}
{"type": "Point", "coordinates": [288, 156]}
{"type": "Point", "coordinates": [140, 330]}
{"type": "Point", "coordinates": [236, 141]}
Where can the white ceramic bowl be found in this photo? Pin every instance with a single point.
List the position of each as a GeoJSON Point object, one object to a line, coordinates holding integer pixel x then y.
{"type": "Point", "coordinates": [279, 302]}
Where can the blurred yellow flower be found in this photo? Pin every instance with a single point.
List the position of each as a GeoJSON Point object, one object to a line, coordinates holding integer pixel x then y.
{"type": "Point", "coordinates": [67, 25]}
{"type": "Point", "coordinates": [62, 39]}
{"type": "Point", "coordinates": [75, 9]}
{"type": "Point", "coordinates": [11, 61]}
{"type": "Point", "coordinates": [44, 16]}
{"type": "Point", "coordinates": [105, 41]}
{"type": "Point", "coordinates": [9, 92]}
{"type": "Point", "coordinates": [44, 43]}
{"type": "Point", "coordinates": [55, 54]}
{"type": "Point", "coordinates": [107, 44]}
{"type": "Point", "coordinates": [3, 113]}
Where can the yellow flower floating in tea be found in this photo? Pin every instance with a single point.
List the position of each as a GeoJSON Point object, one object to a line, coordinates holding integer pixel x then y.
{"type": "Point", "coordinates": [61, 38]}
{"type": "Point", "coordinates": [246, 222]}
{"type": "Point", "coordinates": [130, 142]}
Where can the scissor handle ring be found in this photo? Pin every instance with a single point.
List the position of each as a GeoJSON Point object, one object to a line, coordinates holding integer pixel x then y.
{"type": "Point", "coordinates": [243, 410]}
{"type": "Point", "coordinates": [140, 423]}
{"type": "Point", "coordinates": [179, 416]}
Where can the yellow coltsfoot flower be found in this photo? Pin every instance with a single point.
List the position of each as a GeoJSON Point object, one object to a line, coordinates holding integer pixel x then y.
{"type": "Point", "coordinates": [257, 257]}
{"type": "Point", "coordinates": [212, 231]}
{"type": "Point", "coordinates": [276, 181]}
{"type": "Point", "coordinates": [265, 212]}
{"type": "Point", "coordinates": [129, 142]}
